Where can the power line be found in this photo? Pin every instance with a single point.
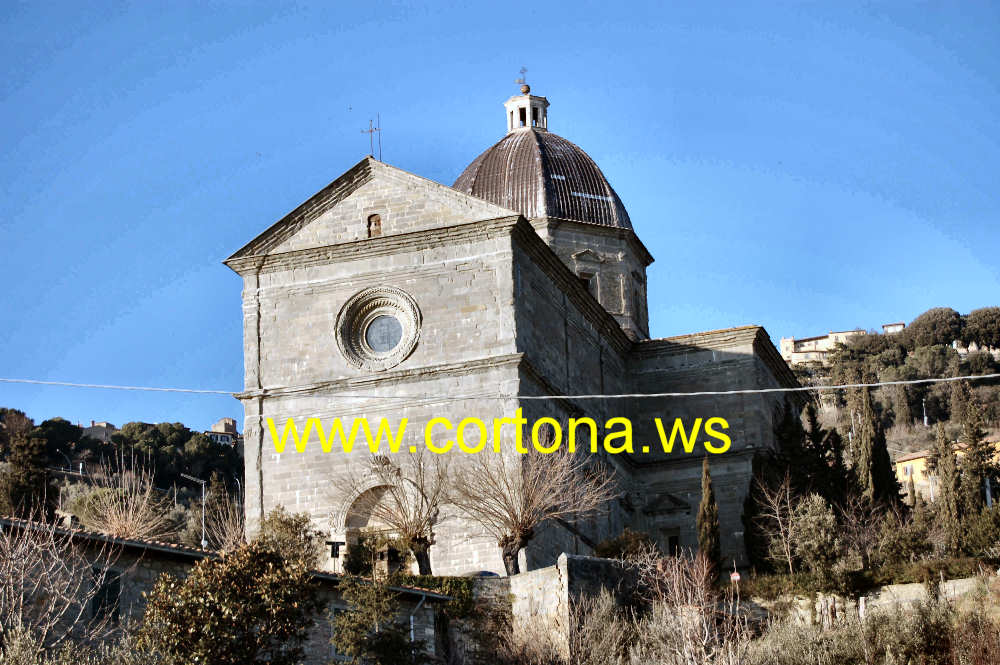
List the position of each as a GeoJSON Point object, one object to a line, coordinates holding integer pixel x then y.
{"type": "Point", "coordinates": [67, 384]}
{"type": "Point", "coordinates": [700, 393]}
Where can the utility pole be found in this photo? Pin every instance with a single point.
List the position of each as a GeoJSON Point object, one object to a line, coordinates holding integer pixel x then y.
{"type": "Point", "coordinates": [204, 541]}
{"type": "Point", "coordinates": [923, 402]}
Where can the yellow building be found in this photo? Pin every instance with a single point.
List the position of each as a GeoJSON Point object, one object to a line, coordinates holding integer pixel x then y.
{"type": "Point", "coordinates": [916, 466]}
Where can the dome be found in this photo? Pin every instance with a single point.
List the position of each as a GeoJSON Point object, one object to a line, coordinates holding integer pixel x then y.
{"type": "Point", "coordinates": [540, 174]}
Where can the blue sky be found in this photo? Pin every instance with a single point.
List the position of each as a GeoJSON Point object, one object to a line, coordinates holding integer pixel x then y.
{"type": "Point", "coordinates": [803, 166]}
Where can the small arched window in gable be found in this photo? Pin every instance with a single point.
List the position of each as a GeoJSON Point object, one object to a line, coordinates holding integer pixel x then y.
{"type": "Point", "coordinates": [374, 226]}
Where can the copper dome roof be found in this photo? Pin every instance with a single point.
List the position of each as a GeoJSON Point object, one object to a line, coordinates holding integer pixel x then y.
{"type": "Point", "coordinates": [540, 174]}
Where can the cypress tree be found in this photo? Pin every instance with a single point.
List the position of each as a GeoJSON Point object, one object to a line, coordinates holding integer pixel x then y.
{"type": "Point", "coordinates": [708, 518]}
{"type": "Point", "coordinates": [946, 505]}
{"type": "Point", "coordinates": [977, 465]}
{"type": "Point", "coordinates": [872, 463]}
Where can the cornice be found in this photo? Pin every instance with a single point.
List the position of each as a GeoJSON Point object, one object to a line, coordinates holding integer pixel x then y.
{"type": "Point", "coordinates": [375, 380]}
{"type": "Point", "coordinates": [373, 247]}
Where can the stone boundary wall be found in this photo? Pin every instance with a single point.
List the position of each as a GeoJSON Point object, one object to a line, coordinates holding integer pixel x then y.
{"type": "Point", "coordinates": [829, 609]}
{"type": "Point", "coordinates": [540, 599]}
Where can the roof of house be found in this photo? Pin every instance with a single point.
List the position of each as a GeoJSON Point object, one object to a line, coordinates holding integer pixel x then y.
{"type": "Point", "coordinates": [182, 551]}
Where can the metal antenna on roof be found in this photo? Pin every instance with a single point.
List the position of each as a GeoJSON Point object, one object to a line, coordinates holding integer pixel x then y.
{"type": "Point", "coordinates": [372, 129]}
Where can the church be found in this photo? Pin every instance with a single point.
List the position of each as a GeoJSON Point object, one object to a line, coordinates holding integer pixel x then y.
{"type": "Point", "coordinates": [387, 295]}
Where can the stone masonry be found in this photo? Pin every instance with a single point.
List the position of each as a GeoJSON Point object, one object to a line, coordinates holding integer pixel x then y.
{"type": "Point", "coordinates": [506, 306]}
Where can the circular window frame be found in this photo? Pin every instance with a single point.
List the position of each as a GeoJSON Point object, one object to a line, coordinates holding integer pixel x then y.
{"type": "Point", "coordinates": [358, 313]}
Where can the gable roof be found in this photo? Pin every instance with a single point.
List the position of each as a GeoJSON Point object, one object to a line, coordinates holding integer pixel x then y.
{"type": "Point", "coordinates": [338, 190]}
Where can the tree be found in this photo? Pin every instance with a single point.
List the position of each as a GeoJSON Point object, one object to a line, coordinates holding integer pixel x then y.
{"type": "Point", "coordinates": [775, 505]}
{"type": "Point", "coordinates": [371, 630]}
{"type": "Point", "coordinates": [252, 605]}
{"type": "Point", "coordinates": [511, 496]}
{"type": "Point", "coordinates": [61, 439]}
{"type": "Point", "coordinates": [814, 535]}
{"type": "Point", "coordinates": [293, 535]}
{"type": "Point", "coordinates": [406, 499]}
{"type": "Point", "coordinates": [708, 518]}
{"type": "Point", "coordinates": [978, 466]}
{"type": "Point", "coordinates": [946, 505]}
{"type": "Point", "coordinates": [126, 504]}
{"type": "Point", "coordinates": [14, 425]}
{"type": "Point", "coordinates": [49, 583]}
{"type": "Point", "coordinates": [859, 526]}
{"type": "Point", "coordinates": [825, 455]}
{"type": "Point", "coordinates": [224, 519]}
{"type": "Point", "coordinates": [872, 464]}
{"type": "Point", "coordinates": [24, 485]}
{"type": "Point", "coordinates": [940, 325]}
{"type": "Point", "coordinates": [982, 326]}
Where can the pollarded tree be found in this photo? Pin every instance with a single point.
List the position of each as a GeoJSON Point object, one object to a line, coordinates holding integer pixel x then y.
{"type": "Point", "coordinates": [511, 496]}
{"type": "Point", "coordinates": [253, 605]}
{"type": "Point", "coordinates": [406, 499]}
{"type": "Point", "coordinates": [708, 518]}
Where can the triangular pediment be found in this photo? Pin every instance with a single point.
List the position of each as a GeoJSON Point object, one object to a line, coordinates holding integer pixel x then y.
{"type": "Point", "coordinates": [339, 212]}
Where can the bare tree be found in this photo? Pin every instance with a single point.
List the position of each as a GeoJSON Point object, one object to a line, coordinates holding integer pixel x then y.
{"type": "Point", "coordinates": [510, 496]}
{"type": "Point", "coordinates": [775, 506]}
{"type": "Point", "coordinates": [126, 504]}
{"type": "Point", "coordinates": [56, 584]}
{"type": "Point", "coordinates": [406, 500]}
{"type": "Point", "coordinates": [224, 522]}
{"type": "Point", "coordinates": [860, 522]}
{"type": "Point", "coordinates": [689, 621]}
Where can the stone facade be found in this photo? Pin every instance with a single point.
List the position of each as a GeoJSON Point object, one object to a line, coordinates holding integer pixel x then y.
{"type": "Point", "coordinates": [506, 307]}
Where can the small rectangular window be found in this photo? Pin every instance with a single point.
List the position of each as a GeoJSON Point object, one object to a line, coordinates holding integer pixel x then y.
{"type": "Point", "coordinates": [534, 117]}
{"type": "Point", "coordinates": [523, 114]}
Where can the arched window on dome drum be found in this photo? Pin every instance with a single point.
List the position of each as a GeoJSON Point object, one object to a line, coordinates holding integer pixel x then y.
{"type": "Point", "coordinates": [374, 226]}
{"type": "Point", "coordinates": [534, 116]}
{"type": "Point", "coordinates": [523, 113]}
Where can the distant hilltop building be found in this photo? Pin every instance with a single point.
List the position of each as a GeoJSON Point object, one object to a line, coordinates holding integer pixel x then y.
{"type": "Point", "coordinates": [817, 349]}
{"type": "Point", "coordinates": [892, 328]}
{"type": "Point", "coordinates": [814, 349]}
{"type": "Point", "coordinates": [224, 432]}
{"type": "Point", "coordinates": [102, 431]}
